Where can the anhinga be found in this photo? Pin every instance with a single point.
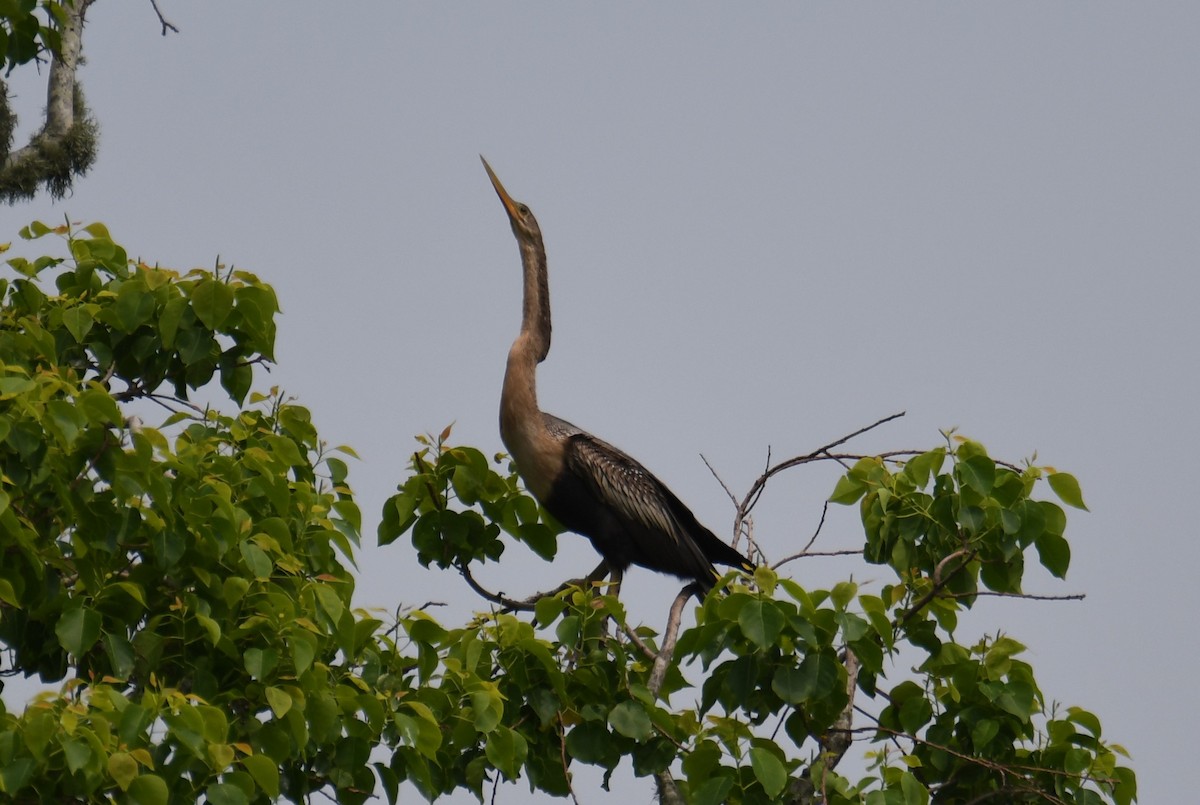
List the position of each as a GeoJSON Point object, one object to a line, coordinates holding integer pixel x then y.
{"type": "Point", "coordinates": [588, 485]}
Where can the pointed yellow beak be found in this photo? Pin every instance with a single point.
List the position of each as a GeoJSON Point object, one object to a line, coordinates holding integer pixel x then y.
{"type": "Point", "coordinates": [509, 205]}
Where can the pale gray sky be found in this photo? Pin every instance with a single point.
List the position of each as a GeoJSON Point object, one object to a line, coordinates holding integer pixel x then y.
{"type": "Point", "coordinates": [767, 225]}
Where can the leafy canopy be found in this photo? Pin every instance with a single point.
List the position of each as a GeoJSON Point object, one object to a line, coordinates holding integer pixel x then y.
{"type": "Point", "coordinates": [183, 573]}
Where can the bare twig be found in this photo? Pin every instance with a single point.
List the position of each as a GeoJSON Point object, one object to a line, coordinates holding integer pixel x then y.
{"type": "Point", "coordinates": [804, 551]}
{"type": "Point", "coordinates": [562, 754]}
{"type": "Point", "coordinates": [165, 25]}
{"type": "Point", "coordinates": [808, 554]}
{"type": "Point", "coordinates": [1029, 596]}
{"type": "Point", "coordinates": [821, 452]}
{"type": "Point", "coordinates": [728, 491]}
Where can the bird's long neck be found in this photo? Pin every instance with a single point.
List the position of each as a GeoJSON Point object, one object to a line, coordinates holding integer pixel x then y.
{"type": "Point", "coordinates": [535, 318]}
{"type": "Point", "coordinates": [521, 425]}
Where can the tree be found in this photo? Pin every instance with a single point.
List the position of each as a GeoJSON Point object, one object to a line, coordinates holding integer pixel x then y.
{"type": "Point", "coordinates": [187, 582]}
{"type": "Point", "coordinates": [65, 146]}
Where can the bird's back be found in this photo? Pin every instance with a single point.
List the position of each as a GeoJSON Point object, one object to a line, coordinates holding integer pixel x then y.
{"type": "Point", "coordinates": [630, 516]}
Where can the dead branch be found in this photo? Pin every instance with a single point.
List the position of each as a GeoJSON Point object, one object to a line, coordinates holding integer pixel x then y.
{"type": "Point", "coordinates": [1028, 596]}
{"type": "Point", "coordinates": [822, 453]}
{"type": "Point", "coordinates": [163, 20]}
{"type": "Point", "coordinates": [805, 552]}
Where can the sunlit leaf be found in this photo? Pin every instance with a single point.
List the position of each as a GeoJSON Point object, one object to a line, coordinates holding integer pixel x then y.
{"type": "Point", "coordinates": [212, 301]}
{"type": "Point", "coordinates": [1067, 489]}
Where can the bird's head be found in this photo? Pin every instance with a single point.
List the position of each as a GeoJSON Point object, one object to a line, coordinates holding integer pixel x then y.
{"type": "Point", "coordinates": [524, 225]}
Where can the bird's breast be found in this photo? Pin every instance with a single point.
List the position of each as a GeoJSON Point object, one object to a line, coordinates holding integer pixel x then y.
{"type": "Point", "coordinates": [536, 452]}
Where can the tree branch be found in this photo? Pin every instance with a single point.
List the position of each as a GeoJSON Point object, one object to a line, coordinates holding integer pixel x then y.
{"type": "Point", "coordinates": [163, 20]}
{"type": "Point", "coordinates": [1027, 596]}
{"type": "Point", "coordinates": [668, 791]}
{"type": "Point", "coordinates": [528, 604]}
{"type": "Point", "coordinates": [65, 146]}
{"type": "Point", "coordinates": [820, 454]}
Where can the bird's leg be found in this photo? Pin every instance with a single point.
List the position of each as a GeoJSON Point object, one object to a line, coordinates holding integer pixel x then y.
{"type": "Point", "coordinates": [616, 576]}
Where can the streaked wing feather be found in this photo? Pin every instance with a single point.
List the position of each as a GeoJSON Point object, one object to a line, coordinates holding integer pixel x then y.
{"type": "Point", "coordinates": [631, 489]}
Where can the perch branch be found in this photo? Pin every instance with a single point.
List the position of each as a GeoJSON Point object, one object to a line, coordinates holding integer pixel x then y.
{"type": "Point", "coordinates": [528, 604]}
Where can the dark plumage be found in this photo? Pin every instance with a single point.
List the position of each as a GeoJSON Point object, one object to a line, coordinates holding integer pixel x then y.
{"type": "Point", "coordinates": [590, 486]}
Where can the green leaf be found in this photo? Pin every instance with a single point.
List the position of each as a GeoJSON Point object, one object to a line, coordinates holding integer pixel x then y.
{"type": "Point", "coordinates": [212, 301]}
{"type": "Point", "coordinates": [488, 707]}
{"type": "Point", "coordinates": [12, 386]}
{"type": "Point", "coordinates": [982, 734]}
{"type": "Point", "coordinates": [258, 562]}
{"type": "Point", "coordinates": [226, 794]}
{"type": "Point", "coordinates": [304, 649]}
{"type": "Point", "coordinates": [790, 685]}
{"type": "Point", "coordinates": [506, 749]}
{"type": "Point", "coordinates": [769, 770]}
{"type": "Point", "coordinates": [147, 789]}
{"type": "Point", "coordinates": [15, 774]}
{"type": "Point", "coordinates": [714, 791]}
{"type": "Point", "coordinates": [978, 472]}
{"type": "Point", "coordinates": [1084, 719]}
{"type": "Point", "coordinates": [260, 662]}
{"type": "Point", "coordinates": [1067, 489]}
{"type": "Point", "coordinates": [761, 622]}
{"type": "Point", "coordinates": [78, 321]}
{"type": "Point", "coordinates": [1054, 553]}
{"type": "Point", "coordinates": [78, 630]}
{"type": "Point", "coordinates": [847, 490]}
{"type": "Point", "coordinates": [134, 305]}
{"type": "Point", "coordinates": [629, 718]}
{"type": "Point", "coordinates": [65, 420]}
{"type": "Point", "coordinates": [547, 609]}
{"type": "Point", "coordinates": [920, 468]}
{"type": "Point", "coordinates": [168, 320]}
{"type": "Point", "coordinates": [915, 713]}
{"type": "Point", "coordinates": [78, 754]}
{"type": "Point", "coordinates": [120, 654]}
{"type": "Point", "coordinates": [122, 768]}
{"type": "Point", "coordinates": [915, 793]}
{"type": "Point", "coordinates": [279, 701]}
{"type": "Point", "coordinates": [265, 773]}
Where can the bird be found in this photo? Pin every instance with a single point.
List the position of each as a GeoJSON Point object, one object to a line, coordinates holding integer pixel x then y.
{"type": "Point", "coordinates": [588, 485]}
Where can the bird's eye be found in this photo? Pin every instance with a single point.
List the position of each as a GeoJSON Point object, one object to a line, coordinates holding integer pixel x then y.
{"type": "Point", "coordinates": [521, 208]}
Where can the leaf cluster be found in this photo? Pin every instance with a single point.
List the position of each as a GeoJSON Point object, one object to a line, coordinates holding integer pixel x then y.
{"type": "Point", "coordinates": [456, 505]}
{"type": "Point", "coordinates": [29, 29]}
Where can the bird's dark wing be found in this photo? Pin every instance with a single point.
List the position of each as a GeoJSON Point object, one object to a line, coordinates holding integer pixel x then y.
{"type": "Point", "coordinates": [665, 533]}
